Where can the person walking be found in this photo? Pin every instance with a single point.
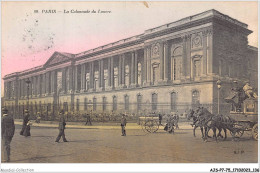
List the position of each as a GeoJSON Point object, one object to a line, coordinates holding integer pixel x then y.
{"type": "Point", "coordinates": [88, 120]}
{"type": "Point", "coordinates": [25, 121]}
{"type": "Point", "coordinates": [7, 133]}
{"type": "Point", "coordinates": [160, 119]}
{"type": "Point", "coordinates": [62, 125]}
{"type": "Point", "coordinates": [123, 124]}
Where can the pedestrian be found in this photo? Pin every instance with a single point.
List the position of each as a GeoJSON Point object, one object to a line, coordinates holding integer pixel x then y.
{"type": "Point", "coordinates": [88, 120]}
{"type": "Point", "coordinates": [25, 121]}
{"type": "Point", "coordinates": [62, 125]}
{"type": "Point", "coordinates": [160, 119]}
{"type": "Point", "coordinates": [123, 124]}
{"type": "Point", "coordinates": [27, 130]}
{"type": "Point", "coordinates": [38, 117]}
{"type": "Point", "coordinates": [7, 133]}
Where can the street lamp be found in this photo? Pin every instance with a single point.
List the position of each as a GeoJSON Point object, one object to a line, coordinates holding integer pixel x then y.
{"type": "Point", "coordinates": [219, 86]}
{"type": "Point", "coordinates": [28, 88]}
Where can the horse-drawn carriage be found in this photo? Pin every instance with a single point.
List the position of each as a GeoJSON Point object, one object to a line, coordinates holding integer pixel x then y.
{"type": "Point", "coordinates": [149, 123]}
{"type": "Point", "coordinates": [246, 119]}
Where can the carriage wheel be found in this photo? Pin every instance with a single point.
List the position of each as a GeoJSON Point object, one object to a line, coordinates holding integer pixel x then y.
{"type": "Point", "coordinates": [237, 133]}
{"type": "Point", "coordinates": [255, 132]}
{"type": "Point", "coordinates": [151, 126]}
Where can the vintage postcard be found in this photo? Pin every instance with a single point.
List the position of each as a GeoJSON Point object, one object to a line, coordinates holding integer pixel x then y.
{"type": "Point", "coordinates": [129, 82]}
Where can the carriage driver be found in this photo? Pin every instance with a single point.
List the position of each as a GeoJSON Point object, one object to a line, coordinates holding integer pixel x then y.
{"type": "Point", "coordinates": [249, 91]}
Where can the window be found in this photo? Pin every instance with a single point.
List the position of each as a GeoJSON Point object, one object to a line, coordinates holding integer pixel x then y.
{"type": "Point", "coordinates": [126, 102]}
{"type": "Point", "coordinates": [85, 104]}
{"type": "Point", "coordinates": [139, 73]}
{"type": "Point", "coordinates": [65, 106]}
{"type": "Point", "coordinates": [59, 81]}
{"type": "Point", "coordinates": [173, 101]}
{"type": "Point", "coordinates": [114, 103]}
{"type": "Point", "coordinates": [104, 103]}
{"type": "Point", "coordinates": [195, 98]}
{"type": "Point", "coordinates": [154, 101]}
{"type": "Point", "coordinates": [139, 102]}
{"type": "Point", "coordinates": [197, 68]}
{"type": "Point", "coordinates": [156, 72]}
{"type": "Point", "coordinates": [94, 104]}
{"type": "Point", "coordinates": [177, 63]}
{"type": "Point", "coordinates": [77, 107]}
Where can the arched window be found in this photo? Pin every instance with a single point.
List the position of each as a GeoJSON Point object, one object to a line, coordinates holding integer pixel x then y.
{"type": "Point", "coordinates": [114, 103]}
{"type": "Point", "coordinates": [173, 101]}
{"type": "Point", "coordinates": [77, 105]}
{"type": "Point", "coordinates": [195, 98]}
{"type": "Point", "coordinates": [139, 102]}
{"type": "Point", "coordinates": [85, 104]}
{"type": "Point", "coordinates": [104, 103]}
{"type": "Point", "coordinates": [126, 102]}
{"type": "Point", "coordinates": [154, 101]}
{"type": "Point", "coordinates": [94, 104]}
{"type": "Point", "coordinates": [177, 63]}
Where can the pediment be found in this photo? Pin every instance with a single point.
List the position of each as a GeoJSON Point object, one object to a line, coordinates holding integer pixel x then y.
{"type": "Point", "coordinates": [58, 58]}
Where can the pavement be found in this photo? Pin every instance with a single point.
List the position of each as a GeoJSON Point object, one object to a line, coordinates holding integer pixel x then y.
{"type": "Point", "coordinates": [95, 125]}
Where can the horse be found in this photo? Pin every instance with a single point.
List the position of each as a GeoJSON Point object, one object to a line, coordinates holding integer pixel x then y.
{"type": "Point", "coordinates": [191, 114]}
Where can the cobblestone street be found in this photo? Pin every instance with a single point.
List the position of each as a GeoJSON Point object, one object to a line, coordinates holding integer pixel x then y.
{"type": "Point", "coordinates": [106, 145]}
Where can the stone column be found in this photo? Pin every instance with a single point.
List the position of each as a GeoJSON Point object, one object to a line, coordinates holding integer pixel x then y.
{"type": "Point", "coordinates": [210, 53]}
{"type": "Point", "coordinates": [53, 81]}
{"type": "Point", "coordinates": [83, 78]}
{"type": "Point", "coordinates": [149, 65]}
{"type": "Point", "coordinates": [123, 70]}
{"type": "Point", "coordinates": [184, 55]}
{"type": "Point", "coordinates": [91, 73]}
{"type": "Point", "coordinates": [76, 78]}
{"type": "Point", "coordinates": [39, 84]}
{"type": "Point", "coordinates": [188, 51]}
{"type": "Point", "coordinates": [70, 87]}
{"type": "Point", "coordinates": [101, 72]}
{"type": "Point", "coordinates": [145, 66]}
{"type": "Point", "coordinates": [132, 68]}
{"type": "Point", "coordinates": [136, 68]}
{"type": "Point", "coordinates": [166, 61]}
{"type": "Point", "coordinates": [204, 57]}
{"type": "Point", "coordinates": [120, 71]}
{"type": "Point", "coordinates": [112, 73]}
{"type": "Point", "coordinates": [63, 86]}
{"type": "Point", "coordinates": [161, 61]}
{"type": "Point", "coordinates": [109, 72]}
{"type": "Point", "coordinates": [43, 84]}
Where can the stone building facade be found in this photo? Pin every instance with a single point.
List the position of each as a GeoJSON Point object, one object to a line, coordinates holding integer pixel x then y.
{"type": "Point", "coordinates": [168, 68]}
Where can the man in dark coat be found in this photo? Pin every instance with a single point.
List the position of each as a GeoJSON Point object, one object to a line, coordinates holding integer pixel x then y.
{"type": "Point", "coordinates": [88, 119]}
{"type": "Point", "coordinates": [25, 121]}
{"type": "Point", "coordinates": [123, 124]}
{"type": "Point", "coordinates": [7, 133]}
{"type": "Point", "coordinates": [62, 125]}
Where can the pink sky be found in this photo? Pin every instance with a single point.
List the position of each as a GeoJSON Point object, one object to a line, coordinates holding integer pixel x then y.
{"type": "Point", "coordinates": [29, 39]}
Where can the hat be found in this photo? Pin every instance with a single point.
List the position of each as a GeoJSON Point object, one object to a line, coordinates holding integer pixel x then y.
{"type": "Point", "coordinates": [61, 111]}
{"type": "Point", "coordinates": [26, 111]}
{"type": "Point", "coordinates": [4, 110]}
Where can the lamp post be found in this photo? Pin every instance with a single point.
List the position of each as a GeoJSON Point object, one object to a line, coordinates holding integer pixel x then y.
{"type": "Point", "coordinates": [28, 88]}
{"type": "Point", "coordinates": [219, 86]}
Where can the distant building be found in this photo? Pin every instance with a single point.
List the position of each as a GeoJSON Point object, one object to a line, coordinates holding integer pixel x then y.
{"type": "Point", "coordinates": [169, 68]}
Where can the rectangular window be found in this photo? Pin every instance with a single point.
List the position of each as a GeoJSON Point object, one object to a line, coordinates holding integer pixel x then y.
{"type": "Point", "coordinates": [77, 108]}
{"type": "Point", "coordinates": [104, 103]}
{"type": "Point", "coordinates": [154, 101]}
{"type": "Point", "coordinates": [139, 102]}
{"type": "Point", "coordinates": [85, 104]}
{"type": "Point", "coordinates": [126, 102]}
{"type": "Point", "coordinates": [173, 101]}
{"type": "Point", "coordinates": [114, 103]}
{"type": "Point", "coordinates": [94, 104]}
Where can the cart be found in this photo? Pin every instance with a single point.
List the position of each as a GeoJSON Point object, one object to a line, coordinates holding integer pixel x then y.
{"type": "Point", "coordinates": [149, 123]}
{"type": "Point", "coordinates": [246, 119]}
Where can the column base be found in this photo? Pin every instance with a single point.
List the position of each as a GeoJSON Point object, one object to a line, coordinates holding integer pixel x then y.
{"type": "Point", "coordinates": [99, 89]}
{"type": "Point", "coordinates": [83, 91]}
{"type": "Point", "coordinates": [147, 83]}
{"type": "Point", "coordinates": [91, 90]}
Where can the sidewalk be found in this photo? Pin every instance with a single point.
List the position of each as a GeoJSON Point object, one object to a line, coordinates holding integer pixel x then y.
{"type": "Point", "coordinates": [95, 125]}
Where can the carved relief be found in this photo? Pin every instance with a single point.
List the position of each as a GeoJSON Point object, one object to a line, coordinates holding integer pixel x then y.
{"type": "Point", "coordinates": [196, 40]}
{"type": "Point", "coordinates": [58, 58]}
{"type": "Point", "coordinates": [155, 50]}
